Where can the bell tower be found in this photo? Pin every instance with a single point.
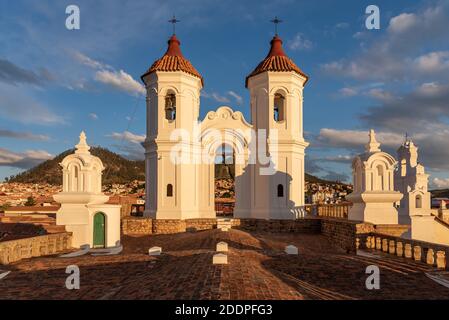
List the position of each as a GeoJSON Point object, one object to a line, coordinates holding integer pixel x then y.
{"type": "Point", "coordinates": [173, 88]}
{"type": "Point", "coordinates": [411, 180]}
{"type": "Point", "coordinates": [276, 92]}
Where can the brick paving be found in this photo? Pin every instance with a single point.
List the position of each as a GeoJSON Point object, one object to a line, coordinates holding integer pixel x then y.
{"type": "Point", "coordinates": [257, 269]}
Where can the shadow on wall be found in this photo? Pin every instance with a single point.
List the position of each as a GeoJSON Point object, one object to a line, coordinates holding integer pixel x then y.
{"type": "Point", "coordinates": [14, 231]}
{"type": "Point", "coordinates": [270, 195]}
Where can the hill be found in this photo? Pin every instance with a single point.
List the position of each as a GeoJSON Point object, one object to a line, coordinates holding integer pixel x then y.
{"type": "Point", "coordinates": [118, 169]}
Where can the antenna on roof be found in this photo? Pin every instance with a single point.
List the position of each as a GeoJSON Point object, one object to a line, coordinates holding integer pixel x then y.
{"type": "Point", "coordinates": [174, 21]}
{"type": "Point", "coordinates": [276, 21]}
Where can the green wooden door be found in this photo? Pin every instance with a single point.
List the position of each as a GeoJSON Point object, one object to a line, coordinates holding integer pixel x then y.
{"type": "Point", "coordinates": [99, 230]}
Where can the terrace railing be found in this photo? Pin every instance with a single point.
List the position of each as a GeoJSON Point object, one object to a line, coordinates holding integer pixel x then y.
{"type": "Point", "coordinates": [337, 210]}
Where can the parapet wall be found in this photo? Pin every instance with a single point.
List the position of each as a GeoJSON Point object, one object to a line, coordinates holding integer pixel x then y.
{"type": "Point", "coordinates": [144, 226]}
{"type": "Point", "coordinates": [137, 226]}
{"type": "Point", "coordinates": [344, 233]}
{"type": "Point", "coordinates": [304, 225]}
{"type": "Point", "coordinates": [16, 250]}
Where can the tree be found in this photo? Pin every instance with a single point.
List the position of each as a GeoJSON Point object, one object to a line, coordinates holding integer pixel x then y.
{"type": "Point", "coordinates": [5, 206]}
{"type": "Point", "coordinates": [30, 202]}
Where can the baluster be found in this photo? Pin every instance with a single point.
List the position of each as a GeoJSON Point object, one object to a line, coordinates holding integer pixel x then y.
{"type": "Point", "coordinates": [417, 253]}
{"type": "Point", "coordinates": [399, 249]}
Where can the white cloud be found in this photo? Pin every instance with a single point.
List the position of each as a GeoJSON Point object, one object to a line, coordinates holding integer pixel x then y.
{"type": "Point", "coordinates": [370, 89]}
{"type": "Point", "coordinates": [380, 94]}
{"type": "Point", "coordinates": [397, 53]}
{"type": "Point", "coordinates": [355, 138]}
{"type": "Point", "coordinates": [215, 96]}
{"type": "Point", "coordinates": [433, 144]}
{"type": "Point", "coordinates": [128, 136]}
{"type": "Point", "coordinates": [441, 183]}
{"type": "Point", "coordinates": [109, 76]}
{"type": "Point", "coordinates": [132, 150]}
{"type": "Point", "coordinates": [348, 92]}
{"type": "Point", "coordinates": [23, 160]}
{"type": "Point", "coordinates": [120, 80]}
{"type": "Point", "coordinates": [237, 98]}
{"type": "Point", "coordinates": [85, 60]}
{"type": "Point", "coordinates": [359, 35]}
{"type": "Point", "coordinates": [299, 43]}
{"type": "Point", "coordinates": [22, 135]}
{"type": "Point", "coordinates": [338, 158]}
{"type": "Point", "coordinates": [93, 116]}
{"type": "Point", "coordinates": [403, 22]}
{"type": "Point", "coordinates": [421, 110]}
{"type": "Point", "coordinates": [16, 105]}
{"type": "Point", "coordinates": [342, 25]}
{"type": "Point", "coordinates": [13, 74]}
{"type": "Point", "coordinates": [433, 62]}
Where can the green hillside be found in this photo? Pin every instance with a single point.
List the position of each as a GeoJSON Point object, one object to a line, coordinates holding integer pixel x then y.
{"type": "Point", "coordinates": [118, 169]}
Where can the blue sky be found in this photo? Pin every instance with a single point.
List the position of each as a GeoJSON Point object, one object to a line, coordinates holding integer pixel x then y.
{"type": "Point", "coordinates": [55, 82]}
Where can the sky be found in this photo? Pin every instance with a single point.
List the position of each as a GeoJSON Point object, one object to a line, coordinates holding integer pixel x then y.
{"type": "Point", "coordinates": [55, 82]}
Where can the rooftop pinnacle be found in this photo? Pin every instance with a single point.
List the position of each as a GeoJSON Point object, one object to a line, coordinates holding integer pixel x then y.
{"type": "Point", "coordinates": [82, 147]}
{"type": "Point", "coordinates": [373, 145]}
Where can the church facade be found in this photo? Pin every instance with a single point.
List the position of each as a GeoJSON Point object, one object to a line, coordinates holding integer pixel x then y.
{"type": "Point", "coordinates": [180, 148]}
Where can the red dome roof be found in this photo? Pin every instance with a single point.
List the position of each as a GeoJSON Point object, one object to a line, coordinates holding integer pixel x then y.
{"type": "Point", "coordinates": [173, 60]}
{"type": "Point", "coordinates": [277, 61]}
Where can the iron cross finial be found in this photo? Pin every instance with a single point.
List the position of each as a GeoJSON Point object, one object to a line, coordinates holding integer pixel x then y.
{"type": "Point", "coordinates": [276, 21]}
{"type": "Point", "coordinates": [174, 21]}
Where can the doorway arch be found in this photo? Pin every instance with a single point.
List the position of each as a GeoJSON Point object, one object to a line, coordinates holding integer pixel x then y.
{"type": "Point", "coordinates": [99, 230]}
{"type": "Point", "coordinates": [224, 181]}
{"type": "Point", "coordinates": [225, 127]}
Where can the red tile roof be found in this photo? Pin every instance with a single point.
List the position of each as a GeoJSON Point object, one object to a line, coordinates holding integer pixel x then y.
{"type": "Point", "coordinates": [276, 60]}
{"type": "Point", "coordinates": [173, 60]}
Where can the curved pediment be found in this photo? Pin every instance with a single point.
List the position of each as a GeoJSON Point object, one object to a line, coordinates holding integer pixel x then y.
{"type": "Point", "coordinates": [225, 118]}
{"type": "Point", "coordinates": [83, 161]}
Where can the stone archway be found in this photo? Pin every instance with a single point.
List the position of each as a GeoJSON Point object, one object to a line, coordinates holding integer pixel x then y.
{"type": "Point", "coordinates": [224, 179]}
{"type": "Point", "coordinates": [224, 126]}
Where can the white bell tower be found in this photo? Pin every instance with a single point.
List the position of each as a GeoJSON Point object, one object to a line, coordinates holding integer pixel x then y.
{"type": "Point", "coordinates": [276, 92]}
{"type": "Point", "coordinates": [411, 180]}
{"type": "Point", "coordinates": [173, 100]}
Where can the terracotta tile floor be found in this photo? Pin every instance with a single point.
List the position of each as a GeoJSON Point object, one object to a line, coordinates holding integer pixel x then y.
{"type": "Point", "coordinates": [257, 269]}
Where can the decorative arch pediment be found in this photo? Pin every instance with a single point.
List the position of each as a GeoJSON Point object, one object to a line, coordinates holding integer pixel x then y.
{"type": "Point", "coordinates": [73, 159]}
{"type": "Point", "coordinates": [225, 118]}
{"type": "Point", "coordinates": [82, 162]}
{"type": "Point", "coordinates": [223, 125]}
{"type": "Point", "coordinates": [380, 158]}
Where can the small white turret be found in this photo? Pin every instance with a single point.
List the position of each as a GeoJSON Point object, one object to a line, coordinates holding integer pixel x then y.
{"type": "Point", "coordinates": [82, 200]}
{"type": "Point", "coordinates": [374, 197]}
